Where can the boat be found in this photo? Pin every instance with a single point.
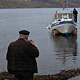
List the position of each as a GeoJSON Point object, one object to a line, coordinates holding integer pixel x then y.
{"type": "Point", "coordinates": [63, 22]}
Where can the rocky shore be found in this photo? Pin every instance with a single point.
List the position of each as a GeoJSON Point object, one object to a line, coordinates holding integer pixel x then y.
{"type": "Point", "coordinates": [64, 75]}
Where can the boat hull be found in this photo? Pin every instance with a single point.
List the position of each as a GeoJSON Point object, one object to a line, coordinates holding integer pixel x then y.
{"type": "Point", "coordinates": [64, 28]}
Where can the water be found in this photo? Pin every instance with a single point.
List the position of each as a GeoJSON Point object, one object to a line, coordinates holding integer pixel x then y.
{"type": "Point", "coordinates": [75, 78]}
{"type": "Point", "coordinates": [56, 53]}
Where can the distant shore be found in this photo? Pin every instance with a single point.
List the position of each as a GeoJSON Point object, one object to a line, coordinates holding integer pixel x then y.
{"type": "Point", "coordinates": [30, 7]}
{"type": "Point", "coordinates": [39, 3]}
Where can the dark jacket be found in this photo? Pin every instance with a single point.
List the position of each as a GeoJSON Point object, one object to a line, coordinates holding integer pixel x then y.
{"type": "Point", "coordinates": [75, 12]}
{"type": "Point", "coordinates": [21, 55]}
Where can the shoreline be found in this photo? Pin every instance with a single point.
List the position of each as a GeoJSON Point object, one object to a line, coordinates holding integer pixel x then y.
{"type": "Point", "coordinates": [64, 75]}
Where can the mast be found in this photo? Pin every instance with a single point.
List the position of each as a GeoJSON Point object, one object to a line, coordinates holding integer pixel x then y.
{"type": "Point", "coordinates": [65, 4]}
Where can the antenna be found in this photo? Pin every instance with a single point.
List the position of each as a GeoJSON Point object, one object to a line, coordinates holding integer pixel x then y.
{"type": "Point", "coordinates": [66, 4]}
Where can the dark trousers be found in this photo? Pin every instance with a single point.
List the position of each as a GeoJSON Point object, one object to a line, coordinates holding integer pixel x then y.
{"type": "Point", "coordinates": [23, 75]}
{"type": "Point", "coordinates": [75, 18]}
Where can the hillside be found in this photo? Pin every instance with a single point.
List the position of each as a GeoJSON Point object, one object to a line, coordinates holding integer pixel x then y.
{"type": "Point", "coordinates": [37, 3]}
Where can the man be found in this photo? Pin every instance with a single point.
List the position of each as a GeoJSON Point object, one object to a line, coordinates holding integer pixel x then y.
{"type": "Point", "coordinates": [75, 13]}
{"type": "Point", "coordinates": [21, 56]}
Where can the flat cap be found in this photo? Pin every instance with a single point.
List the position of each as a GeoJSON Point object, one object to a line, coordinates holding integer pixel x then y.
{"type": "Point", "coordinates": [24, 32]}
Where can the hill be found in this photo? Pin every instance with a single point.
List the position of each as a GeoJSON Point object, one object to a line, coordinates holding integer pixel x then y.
{"type": "Point", "coordinates": [38, 3]}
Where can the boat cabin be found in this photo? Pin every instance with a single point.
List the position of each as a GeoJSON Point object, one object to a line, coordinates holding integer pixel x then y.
{"type": "Point", "coordinates": [63, 16]}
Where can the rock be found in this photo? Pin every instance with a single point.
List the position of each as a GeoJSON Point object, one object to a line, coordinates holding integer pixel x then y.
{"type": "Point", "coordinates": [64, 75]}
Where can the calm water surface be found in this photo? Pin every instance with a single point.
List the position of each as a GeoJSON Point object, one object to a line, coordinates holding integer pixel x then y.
{"type": "Point", "coordinates": [56, 53]}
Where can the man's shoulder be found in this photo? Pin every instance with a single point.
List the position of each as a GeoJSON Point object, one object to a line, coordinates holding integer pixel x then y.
{"type": "Point", "coordinates": [21, 41]}
{"type": "Point", "coordinates": [16, 41]}
{"type": "Point", "coordinates": [13, 42]}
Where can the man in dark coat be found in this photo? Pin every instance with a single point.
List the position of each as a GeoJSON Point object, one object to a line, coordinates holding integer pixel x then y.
{"type": "Point", "coordinates": [21, 56]}
{"type": "Point", "coordinates": [75, 13]}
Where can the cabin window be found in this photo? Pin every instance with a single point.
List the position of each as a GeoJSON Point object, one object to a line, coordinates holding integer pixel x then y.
{"type": "Point", "coordinates": [60, 16]}
{"type": "Point", "coordinates": [55, 16]}
{"type": "Point", "coordinates": [65, 16]}
{"type": "Point", "coordinates": [70, 16]}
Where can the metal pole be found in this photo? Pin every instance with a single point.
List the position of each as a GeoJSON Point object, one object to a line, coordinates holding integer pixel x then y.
{"type": "Point", "coordinates": [67, 3]}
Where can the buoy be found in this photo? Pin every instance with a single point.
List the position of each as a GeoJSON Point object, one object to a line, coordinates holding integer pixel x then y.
{"type": "Point", "coordinates": [55, 32]}
{"type": "Point", "coordinates": [75, 31]}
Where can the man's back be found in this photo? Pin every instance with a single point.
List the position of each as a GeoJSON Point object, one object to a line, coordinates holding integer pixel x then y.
{"type": "Point", "coordinates": [21, 56]}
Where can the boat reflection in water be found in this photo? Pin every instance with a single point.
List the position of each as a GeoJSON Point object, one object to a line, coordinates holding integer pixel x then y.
{"type": "Point", "coordinates": [65, 49]}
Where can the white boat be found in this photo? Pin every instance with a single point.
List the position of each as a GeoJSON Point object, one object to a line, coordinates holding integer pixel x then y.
{"type": "Point", "coordinates": [63, 23]}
